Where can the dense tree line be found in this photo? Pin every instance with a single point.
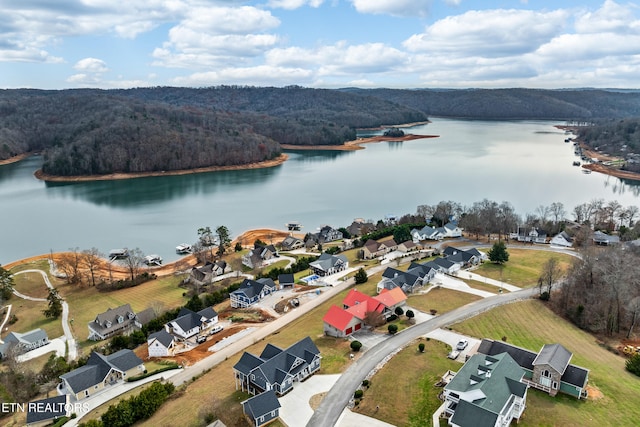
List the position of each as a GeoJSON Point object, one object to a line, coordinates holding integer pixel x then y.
{"type": "Point", "coordinates": [602, 291]}
{"type": "Point", "coordinates": [620, 137]}
{"type": "Point", "coordinates": [514, 103]}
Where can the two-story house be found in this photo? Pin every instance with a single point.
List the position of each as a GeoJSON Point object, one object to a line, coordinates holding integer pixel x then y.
{"type": "Point", "coordinates": [252, 291]}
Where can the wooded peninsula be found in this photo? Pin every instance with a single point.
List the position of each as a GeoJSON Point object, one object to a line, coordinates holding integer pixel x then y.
{"type": "Point", "coordinates": [91, 132]}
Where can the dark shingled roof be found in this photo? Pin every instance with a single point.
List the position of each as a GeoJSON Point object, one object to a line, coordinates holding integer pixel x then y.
{"type": "Point", "coordinates": [574, 375]}
{"type": "Point", "coordinates": [261, 404]}
{"type": "Point", "coordinates": [97, 368]}
{"type": "Point", "coordinates": [468, 414]}
{"type": "Point", "coordinates": [554, 355]}
{"type": "Point", "coordinates": [163, 336]}
{"type": "Point", "coordinates": [46, 409]}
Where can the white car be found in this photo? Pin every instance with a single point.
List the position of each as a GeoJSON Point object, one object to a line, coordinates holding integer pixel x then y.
{"type": "Point", "coordinates": [215, 329]}
{"type": "Point", "coordinates": [462, 344]}
{"type": "Point", "coordinates": [453, 354]}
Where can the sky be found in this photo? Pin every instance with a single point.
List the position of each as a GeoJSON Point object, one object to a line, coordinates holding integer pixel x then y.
{"type": "Point", "coordinates": [59, 44]}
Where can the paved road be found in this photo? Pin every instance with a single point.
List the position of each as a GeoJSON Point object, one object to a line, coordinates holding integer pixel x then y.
{"type": "Point", "coordinates": [71, 342]}
{"type": "Point", "coordinates": [333, 404]}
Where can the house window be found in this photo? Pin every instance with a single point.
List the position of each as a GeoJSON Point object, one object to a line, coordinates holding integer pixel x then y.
{"type": "Point", "coordinates": [273, 413]}
{"type": "Point", "coordinates": [546, 374]}
{"type": "Point", "coordinates": [554, 385]}
{"type": "Point", "coordinates": [86, 393]}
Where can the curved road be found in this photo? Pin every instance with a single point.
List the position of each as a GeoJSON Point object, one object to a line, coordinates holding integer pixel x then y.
{"type": "Point", "coordinates": [333, 404]}
{"type": "Point", "coordinates": [71, 342]}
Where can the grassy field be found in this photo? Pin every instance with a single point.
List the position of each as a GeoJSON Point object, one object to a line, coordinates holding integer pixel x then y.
{"type": "Point", "coordinates": [31, 284]}
{"type": "Point", "coordinates": [394, 388]}
{"type": "Point", "coordinates": [531, 324]}
{"type": "Point", "coordinates": [476, 284]}
{"type": "Point", "coordinates": [440, 299]}
{"type": "Point", "coordinates": [523, 268]}
{"type": "Point", "coordinates": [30, 317]}
{"type": "Point", "coordinates": [86, 302]}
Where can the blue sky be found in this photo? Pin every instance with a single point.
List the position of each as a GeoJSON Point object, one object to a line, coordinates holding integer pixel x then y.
{"type": "Point", "coordinates": [56, 44]}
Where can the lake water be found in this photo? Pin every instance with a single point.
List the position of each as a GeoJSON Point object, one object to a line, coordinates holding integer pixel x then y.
{"type": "Point", "coordinates": [523, 162]}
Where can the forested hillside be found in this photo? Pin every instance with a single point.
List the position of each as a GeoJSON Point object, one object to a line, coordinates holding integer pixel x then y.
{"type": "Point", "coordinates": [514, 103]}
{"type": "Point", "coordinates": [615, 137]}
{"type": "Point", "coordinates": [91, 131]}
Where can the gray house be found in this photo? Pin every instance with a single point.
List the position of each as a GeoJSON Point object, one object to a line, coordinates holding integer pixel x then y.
{"type": "Point", "coordinates": [548, 370]}
{"type": "Point", "coordinates": [262, 408]}
{"type": "Point", "coordinates": [277, 369]}
{"type": "Point", "coordinates": [100, 372]}
{"type": "Point", "coordinates": [486, 392]}
{"type": "Point", "coordinates": [112, 322]}
{"type": "Point", "coordinates": [24, 342]}
{"type": "Point", "coordinates": [328, 264]}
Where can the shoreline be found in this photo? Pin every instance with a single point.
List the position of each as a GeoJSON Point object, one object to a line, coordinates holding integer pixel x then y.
{"type": "Point", "coordinates": [15, 159]}
{"type": "Point", "coordinates": [117, 176]}
{"type": "Point", "coordinates": [357, 143]}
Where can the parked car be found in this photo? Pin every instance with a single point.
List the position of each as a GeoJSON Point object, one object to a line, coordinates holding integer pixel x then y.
{"type": "Point", "coordinates": [201, 338]}
{"type": "Point", "coordinates": [462, 344]}
{"type": "Point", "coordinates": [215, 329]}
{"type": "Point", "coordinates": [453, 354]}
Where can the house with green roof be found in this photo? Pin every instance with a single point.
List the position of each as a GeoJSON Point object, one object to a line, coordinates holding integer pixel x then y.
{"type": "Point", "coordinates": [486, 392]}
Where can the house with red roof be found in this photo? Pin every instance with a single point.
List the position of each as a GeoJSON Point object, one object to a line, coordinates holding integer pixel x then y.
{"type": "Point", "coordinates": [342, 322]}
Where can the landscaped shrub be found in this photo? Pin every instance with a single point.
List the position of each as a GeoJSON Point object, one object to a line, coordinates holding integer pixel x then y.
{"type": "Point", "coordinates": [392, 329]}
{"type": "Point", "coordinates": [366, 383]}
{"type": "Point", "coordinates": [633, 364]}
{"type": "Point", "coordinates": [358, 394]}
{"type": "Point", "coordinates": [421, 347]}
{"type": "Point", "coordinates": [355, 345]}
{"type": "Point", "coordinates": [544, 296]}
{"type": "Point", "coordinates": [399, 311]}
{"type": "Point", "coordinates": [392, 318]}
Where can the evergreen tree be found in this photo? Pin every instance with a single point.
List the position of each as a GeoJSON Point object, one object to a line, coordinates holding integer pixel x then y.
{"type": "Point", "coordinates": [224, 239]}
{"type": "Point", "coordinates": [6, 284]}
{"type": "Point", "coordinates": [361, 276]}
{"type": "Point", "coordinates": [55, 305]}
{"type": "Point", "coordinates": [498, 253]}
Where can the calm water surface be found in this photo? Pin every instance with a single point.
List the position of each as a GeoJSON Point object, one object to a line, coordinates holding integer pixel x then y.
{"type": "Point", "coordinates": [523, 162]}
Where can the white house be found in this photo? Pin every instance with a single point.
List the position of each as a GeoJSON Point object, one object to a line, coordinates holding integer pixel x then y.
{"type": "Point", "coordinates": [425, 233]}
{"type": "Point", "coordinates": [562, 239]}
{"type": "Point", "coordinates": [161, 344]}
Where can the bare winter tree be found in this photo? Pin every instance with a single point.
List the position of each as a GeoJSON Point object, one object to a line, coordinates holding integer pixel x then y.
{"type": "Point", "coordinates": [69, 263]}
{"type": "Point", "coordinates": [551, 274]}
{"type": "Point", "coordinates": [91, 259]}
{"type": "Point", "coordinates": [633, 312]}
{"type": "Point", "coordinates": [134, 263]}
{"type": "Point", "coordinates": [557, 211]}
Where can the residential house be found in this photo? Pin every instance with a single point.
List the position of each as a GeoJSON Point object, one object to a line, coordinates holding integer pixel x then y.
{"type": "Point", "coordinates": [446, 266]}
{"type": "Point", "coordinates": [205, 274]}
{"type": "Point", "coordinates": [261, 409]}
{"type": "Point", "coordinates": [450, 230]}
{"type": "Point", "coordinates": [144, 317]}
{"type": "Point", "coordinates": [23, 342]}
{"type": "Point", "coordinates": [601, 239]}
{"type": "Point", "coordinates": [259, 255]}
{"type": "Point", "coordinates": [360, 227]}
{"type": "Point", "coordinates": [392, 299]}
{"type": "Point", "coordinates": [425, 233]}
{"type": "Point", "coordinates": [409, 246]}
{"type": "Point", "coordinates": [562, 239]}
{"type": "Point", "coordinates": [43, 412]}
{"type": "Point", "coordinates": [529, 235]}
{"type": "Point", "coordinates": [548, 370]}
{"type": "Point", "coordinates": [291, 243]}
{"type": "Point", "coordinates": [277, 369]}
{"type": "Point", "coordinates": [461, 257]}
{"type": "Point", "coordinates": [341, 323]}
{"type": "Point", "coordinates": [373, 249]}
{"type": "Point", "coordinates": [251, 291]}
{"type": "Point", "coordinates": [392, 278]}
{"type": "Point", "coordinates": [286, 280]}
{"type": "Point", "coordinates": [99, 373]}
{"type": "Point", "coordinates": [161, 344]}
{"type": "Point", "coordinates": [112, 322]}
{"type": "Point", "coordinates": [328, 234]}
{"type": "Point", "coordinates": [189, 323]}
{"type": "Point", "coordinates": [328, 264]}
{"type": "Point", "coordinates": [486, 392]}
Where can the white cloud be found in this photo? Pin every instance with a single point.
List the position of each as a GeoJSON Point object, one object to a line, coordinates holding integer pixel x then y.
{"type": "Point", "coordinates": [393, 7]}
{"type": "Point", "coordinates": [216, 37]}
{"type": "Point", "coordinates": [294, 4]}
{"type": "Point", "coordinates": [258, 76]}
{"type": "Point", "coordinates": [91, 65]}
{"type": "Point", "coordinates": [491, 33]}
{"type": "Point", "coordinates": [611, 17]}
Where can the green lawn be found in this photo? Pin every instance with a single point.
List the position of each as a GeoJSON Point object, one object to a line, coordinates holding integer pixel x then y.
{"type": "Point", "coordinates": [86, 302]}
{"type": "Point", "coordinates": [31, 284]}
{"type": "Point", "coordinates": [531, 324]}
{"type": "Point", "coordinates": [404, 388]}
{"type": "Point", "coordinates": [440, 299]}
{"type": "Point", "coordinates": [523, 268]}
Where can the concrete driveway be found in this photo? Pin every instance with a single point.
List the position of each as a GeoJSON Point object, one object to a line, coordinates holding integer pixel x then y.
{"type": "Point", "coordinates": [452, 338]}
{"type": "Point", "coordinates": [458, 285]}
{"type": "Point", "coordinates": [56, 344]}
{"type": "Point", "coordinates": [296, 411]}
